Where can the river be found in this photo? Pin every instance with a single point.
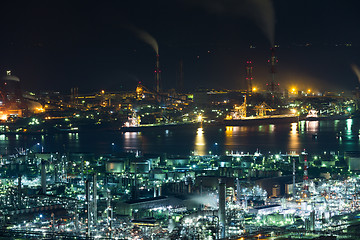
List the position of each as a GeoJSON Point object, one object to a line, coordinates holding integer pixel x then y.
{"type": "Point", "coordinates": [314, 136]}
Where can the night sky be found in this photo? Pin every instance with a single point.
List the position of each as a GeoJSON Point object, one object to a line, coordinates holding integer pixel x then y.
{"type": "Point", "coordinates": [56, 45]}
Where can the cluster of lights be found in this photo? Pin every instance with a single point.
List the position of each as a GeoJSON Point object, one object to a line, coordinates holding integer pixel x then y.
{"type": "Point", "coordinates": [34, 121]}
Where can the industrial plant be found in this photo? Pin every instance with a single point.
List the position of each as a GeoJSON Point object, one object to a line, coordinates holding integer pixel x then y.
{"type": "Point", "coordinates": [179, 197]}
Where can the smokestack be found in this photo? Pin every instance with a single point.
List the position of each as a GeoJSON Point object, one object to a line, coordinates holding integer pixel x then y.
{"type": "Point", "coordinates": [88, 208]}
{"type": "Point", "coordinates": [157, 74]}
{"type": "Point", "coordinates": [82, 168]}
{"type": "Point", "coordinates": [249, 75]}
{"type": "Point", "coordinates": [109, 212]}
{"type": "Point", "coordinates": [95, 200]}
{"type": "Point", "coordinates": [306, 185]}
{"type": "Point", "coordinates": [238, 190]}
{"type": "Point", "coordinates": [294, 172]}
{"type": "Point", "coordinates": [272, 86]}
{"type": "Point", "coordinates": [19, 190]}
{"type": "Point", "coordinates": [74, 95]}
{"type": "Point", "coordinates": [159, 191]}
{"type": "Point", "coordinates": [189, 185]}
{"type": "Point", "coordinates": [43, 177]}
{"type": "Point", "coordinates": [56, 173]}
{"type": "Point", "coordinates": [222, 214]}
{"type": "Point", "coordinates": [134, 188]}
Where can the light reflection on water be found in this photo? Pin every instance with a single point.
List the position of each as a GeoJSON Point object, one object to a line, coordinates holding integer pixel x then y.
{"type": "Point", "coordinates": [294, 142]}
{"type": "Point", "coordinates": [271, 128]}
{"type": "Point", "coordinates": [2, 137]}
{"type": "Point", "coordinates": [312, 126]}
{"type": "Point", "coordinates": [349, 123]}
{"type": "Point", "coordinates": [200, 143]}
{"type": "Point", "coordinates": [131, 139]}
{"type": "Point", "coordinates": [230, 132]}
{"type": "Point", "coordinates": [316, 136]}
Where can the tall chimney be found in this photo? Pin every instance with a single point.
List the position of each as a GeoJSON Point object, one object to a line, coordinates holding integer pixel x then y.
{"type": "Point", "coordinates": [88, 207]}
{"type": "Point", "coordinates": [157, 74]}
{"type": "Point", "coordinates": [272, 85]}
{"type": "Point", "coordinates": [306, 177]}
{"type": "Point", "coordinates": [249, 75]}
{"type": "Point", "coordinates": [19, 190]}
{"type": "Point", "coordinates": [43, 177]}
{"type": "Point", "coordinates": [95, 200]}
{"type": "Point", "coordinates": [294, 179]}
{"type": "Point", "coordinates": [222, 214]}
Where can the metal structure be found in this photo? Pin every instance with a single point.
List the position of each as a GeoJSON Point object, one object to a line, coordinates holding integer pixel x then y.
{"type": "Point", "coordinates": [306, 178]}
{"type": "Point", "coordinates": [273, 86]}
{"type": "Point", "coordinates": [142, 91]}
{"type": "Point", "coordinates": [94, 209]}
{"type": "Point", "coordinates": [294, 179]}
{"type": "Point", "coordinates": [19, 190]}
{"type": "Point", "coordinates": [249, 75]}
{"type": "Point", "coordinates": [262, 109]}
{"type": "Point", "coordinates": [157, 74]}
{"type": "Point", "coordinates": [43, 177]}
{"type": "Point", "coordinates": [222, 203]}
{"type": "Point", "coordinates": [240, 111]}
{"type": "Point", "coordinates": [74, 95]}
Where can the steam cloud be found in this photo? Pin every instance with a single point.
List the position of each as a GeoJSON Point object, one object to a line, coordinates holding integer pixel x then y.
{"type": "Point", "coordinates": [356, 70]}
{"type": "Point", "coordinates": [259, 11]}
{"type": "Point", "coordinates": [144, 36]}
{"type": "Point", "coordinates": [208, 200]}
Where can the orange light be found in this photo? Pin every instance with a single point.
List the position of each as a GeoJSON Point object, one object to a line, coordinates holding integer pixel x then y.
{"type": "Point", "coordinates": [3, 116]}
{"type": "Point", "coordinates": [254, 89]}
{"type": "Point", "coordinates": [39, 110]}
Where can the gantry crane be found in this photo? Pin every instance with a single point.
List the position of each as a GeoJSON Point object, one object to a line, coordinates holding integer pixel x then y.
{"type": "Point", "coordinates": [262, 109]}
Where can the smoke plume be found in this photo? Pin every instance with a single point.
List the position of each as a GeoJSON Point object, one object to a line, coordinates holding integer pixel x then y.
{"type": "Point", "coordinates": [144, 36]}
{"type": "Point", "coordinates": [207, 200]}
{"type": "Point", "coordinates": [259, 11]}
{"type": "Point", "coordinates": [356, 70]}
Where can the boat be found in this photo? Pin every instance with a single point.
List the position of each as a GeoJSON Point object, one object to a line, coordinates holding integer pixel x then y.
{"type": "Point", "coordinates": [144, 127]}
{"type": "Point", "coordinates": [238, 116]}
{"type": "Point", "coordinates": [260, 120]}
{"type": "Point", "coordinates": [165, 126]}
{"type": "Point", "coordinates": [134, 125]}
{"type": "Point", "coordinates": [313, 116]}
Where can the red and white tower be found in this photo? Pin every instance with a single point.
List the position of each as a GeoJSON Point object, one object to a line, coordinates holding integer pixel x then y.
{"type": "Point", "coordinates": [249, 75]}
{"type": "Point", "coordinates": [306, 177]}
{"type": "Point", "coordinates": [273, 86]}
{"type": "Point", "coordinates": [157, 74]}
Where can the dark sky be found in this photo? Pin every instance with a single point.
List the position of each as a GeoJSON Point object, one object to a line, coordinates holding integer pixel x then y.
{"type": "Point", "coordinates": [57, 45]}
